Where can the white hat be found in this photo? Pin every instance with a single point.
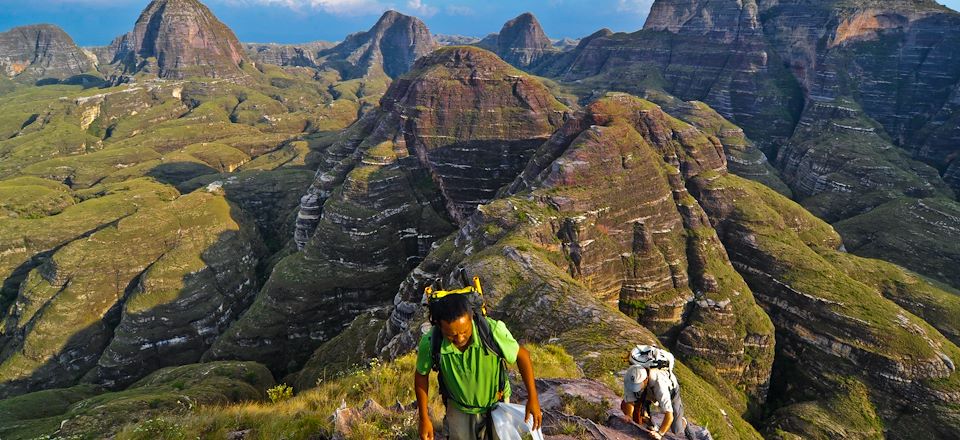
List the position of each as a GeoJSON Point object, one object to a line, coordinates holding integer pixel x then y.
{"type": "Point", "coordinates": [634, 378]}
{"type": "Point", "coordinates": [640, 353]}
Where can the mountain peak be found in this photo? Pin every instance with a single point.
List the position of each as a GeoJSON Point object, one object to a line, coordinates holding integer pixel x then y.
{"type": "Point", "coordinates": [178, 39]}
{"type": "Point", "coordinates": [41, 51]}
{"type": "Point", "coordinates": [391, 45]}
{"type": "Point", "coordinates": [522, 42]}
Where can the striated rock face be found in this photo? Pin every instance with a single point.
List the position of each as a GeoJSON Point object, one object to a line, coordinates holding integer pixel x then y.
{"type": "Point", "coordinates": [744, 158]}
{"type": "Point", "coordinates": [898, 58]}
{"type": "Point", "coordinates": [840, 164]}
{"type": "Point", "coordinates": [873, 76]}
{"type": "Point", "coordinates": [299, 55]}
{"type": "Point", "coordinates": [715, 53]}
{"type": "Point", "coordinates": [834, 330]}
{"type": "Point", "coordinates": [177, 274]}
{"type": "Point", "coordinates": [723, 22]}
{"type": "Point", "coordinates": [391, 46]}
{"type": "Point", "coordinates": [649, 250]}
{"type": "Point", "coordinates": [179, 39]}
{"type": "Point", "coordinates": [522, 42]}
{"type": "Point", "coordinates": [446, 137]}
{"type": "Point", "coordinates": [42, 51]}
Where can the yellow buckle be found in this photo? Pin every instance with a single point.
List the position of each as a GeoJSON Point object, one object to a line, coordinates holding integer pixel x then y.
{"type": "Point", "coordinates": [475, 288]}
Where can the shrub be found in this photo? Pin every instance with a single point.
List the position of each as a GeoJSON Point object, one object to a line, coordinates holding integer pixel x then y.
{"type": "Point", "coordinates": [280, 393]}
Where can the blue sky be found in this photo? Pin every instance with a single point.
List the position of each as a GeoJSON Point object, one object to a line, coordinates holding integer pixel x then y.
{"type": "Point", "coordinates": [97, 22]}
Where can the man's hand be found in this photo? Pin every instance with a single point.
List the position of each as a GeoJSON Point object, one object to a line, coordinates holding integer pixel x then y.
{"type": "Point", "coordinates": [421, 387]}
{"type": "Point", "coordinates": [426, 428]}
{"type": "Point", "coordinates": [533, 410]}
{"type": "Point", "coordinates": [656, 435]}
{"type": "Point", "coordinates": [533, 401]}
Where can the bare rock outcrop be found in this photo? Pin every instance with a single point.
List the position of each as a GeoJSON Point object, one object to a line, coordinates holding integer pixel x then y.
{"type": "Point", "coordinates": [179, 39]}
{"type": "Point", "coordinates": [42, 51]}
{"type": "Point", "coordinates": [390, 47]}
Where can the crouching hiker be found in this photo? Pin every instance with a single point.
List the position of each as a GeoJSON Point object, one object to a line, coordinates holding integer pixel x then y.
{"type": "Point", "coordinates": [469, 352]}
{"type": "Point", "coordinates": [649, 380]}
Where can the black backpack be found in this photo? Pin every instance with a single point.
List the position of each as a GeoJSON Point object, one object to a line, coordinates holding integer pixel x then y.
{"type": "Point", "coordinates": [484, 332]}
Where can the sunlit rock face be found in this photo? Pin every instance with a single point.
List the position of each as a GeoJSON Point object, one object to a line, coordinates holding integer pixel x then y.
{"type": "Point", "coordinates": [649, 251]}
{"type": "Point", "coordinates": [446, 137]}
{"type": "Point", "coordinates": [179, 39]}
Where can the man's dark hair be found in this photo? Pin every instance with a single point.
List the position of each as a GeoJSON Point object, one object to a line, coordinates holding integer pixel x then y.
{"type": "Point", "coordinates": [449, 308]}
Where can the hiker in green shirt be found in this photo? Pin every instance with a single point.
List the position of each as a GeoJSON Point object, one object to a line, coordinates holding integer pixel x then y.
{"type": "Point", "coordinates": [472, 375]}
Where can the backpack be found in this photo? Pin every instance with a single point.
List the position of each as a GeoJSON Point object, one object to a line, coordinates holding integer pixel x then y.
{"type": "Point", "coordinates": [652, 357]}
{"type": "Point", "coordinates": [484, 333]}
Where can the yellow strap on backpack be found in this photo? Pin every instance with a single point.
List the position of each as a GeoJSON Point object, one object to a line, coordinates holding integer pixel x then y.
{"type": "Point", "coordinates": [475, 288]}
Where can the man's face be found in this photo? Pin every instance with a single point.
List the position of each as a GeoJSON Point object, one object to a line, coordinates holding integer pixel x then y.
{"type": "Point", "coordinates": [458, 332]}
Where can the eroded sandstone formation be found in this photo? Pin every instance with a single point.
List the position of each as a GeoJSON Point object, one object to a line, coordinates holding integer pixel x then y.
{"type": "Point", "coordinates": [179, 39]}
{"type": "Point", "coordinates": [650, 250]}
{"type": "Point", "coordinates": [42, 51]}
{"type": "Point", "coordinates": [177, 274]}
{"type": "Point", "coordinates": [446, 137]}
{"type": "Point", "coordinates": [390, 47]}
{"type": "Point", "coordinates": [521, 41]}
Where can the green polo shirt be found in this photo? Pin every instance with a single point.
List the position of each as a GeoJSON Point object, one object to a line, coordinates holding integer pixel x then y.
{"type": "Point", "coordinates": [472, 376]}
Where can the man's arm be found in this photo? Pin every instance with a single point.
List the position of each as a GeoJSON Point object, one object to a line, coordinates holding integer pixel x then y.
{"type": "Point", "coordinates": [533, 401]}
{"type": "Point", "coordinates": [421, 387]}
{"type": "Point", "coordinates": [667, 423]}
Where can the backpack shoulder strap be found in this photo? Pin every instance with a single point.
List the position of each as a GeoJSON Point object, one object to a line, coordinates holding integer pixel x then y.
{"type": "Point", "coordinates": [486, 335]}
{"type": "Point", "coordinates": [490, 344]}
{"type": "Point", "coordinates": [435, 341]}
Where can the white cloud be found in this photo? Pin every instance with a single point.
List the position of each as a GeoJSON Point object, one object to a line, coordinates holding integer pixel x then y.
{"type": "Point", "coordinates": [634, 6]}
{"type": "Point", "coordinates": [345, 7]}
{"type": "Point", "coordinates": [337, 7]}
{"type": "Point", "coordinates": [419, 8]}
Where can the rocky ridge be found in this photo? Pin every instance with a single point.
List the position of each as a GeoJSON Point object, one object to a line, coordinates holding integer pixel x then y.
{"type": "Point", "coordinates": [446, 137]}
{"type": "Point", "coordinates": [177, 39]}
{"type": "Point", "coordinates": [570, 241]}
{"type": "Point", "coordinates": [39, 52]}
{"type": "Point", "coordinates": [824, 89]}
{"type": "Point", "coordinates": [297, 55]}
{"type": "Point", "coordinates": [390, 47]}
{"type": "Point", "coordinates": [520, 42]}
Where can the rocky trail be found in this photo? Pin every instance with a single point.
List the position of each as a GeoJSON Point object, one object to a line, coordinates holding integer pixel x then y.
{"type": "Point", "coordinates": [573, 409]}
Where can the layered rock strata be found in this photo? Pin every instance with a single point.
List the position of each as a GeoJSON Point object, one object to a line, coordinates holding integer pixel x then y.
{"type": "Point", "coordinates": [297, 55]}
{"type": "Point", "coordinates": [446, 137]}
{"type": "Point", "coordinates": [834, 329]}
{"type": "Point", "coordinates": [179, 39]}
{"type": "Point", "coordinates": [42, 51]}
{"type": "Point", "coordinates": [521, 41]}
{"type": "Point", "coordinates": [390, 47]}
{"type": "Point", "coordinates": [713, 52]}
{"type": "Point", "coordinates": [164, 300]}
{"type": "Point", "coordinates": [650, 250]}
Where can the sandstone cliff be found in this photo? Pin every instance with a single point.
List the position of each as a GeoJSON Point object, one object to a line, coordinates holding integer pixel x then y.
{"type": "Point", "coordinates": [570, 239]}
{"type": "Point", "coordinates": [179, 39]}
{"type": "Point", "coordinates": [521, 42]}
{"type": "Point", "coordinates": [31, 53]}
{"type": "Point", "coordinates": [446, 137]}
{"type": "Point", "coordinates": [390, 47]}
{"type": "Point", "coordinates": [298, 55]}
{"type": "Point", "coordinates": [854, 102]}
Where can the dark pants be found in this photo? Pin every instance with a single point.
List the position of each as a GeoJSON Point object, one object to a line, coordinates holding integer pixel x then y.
{"type": "Point", "coordinates": [677, 426]}
{"type": "Point", "coordinates": [462, 426]}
